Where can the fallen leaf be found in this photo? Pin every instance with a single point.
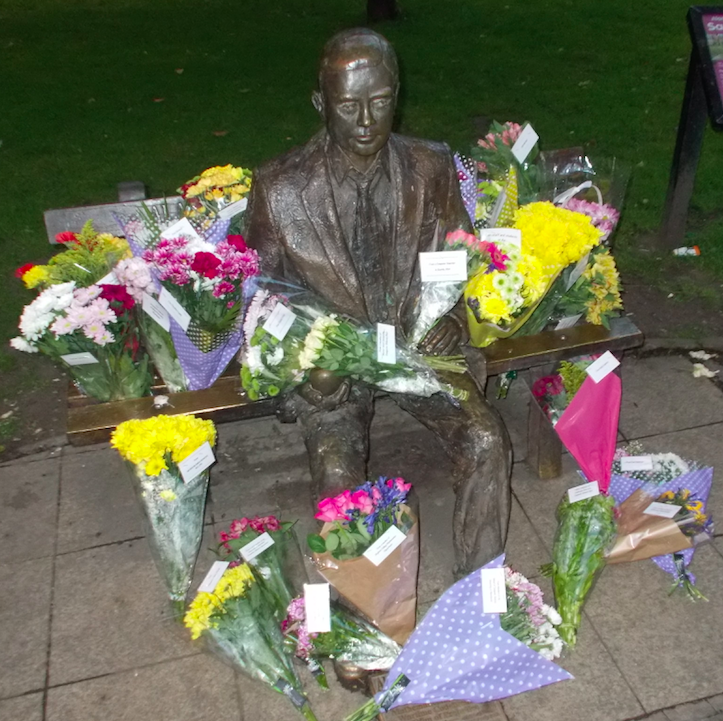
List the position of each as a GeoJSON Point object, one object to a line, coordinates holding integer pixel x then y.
{"type": "Point", "coordinates": [6, 415]}
{"type": "Point", "coordinates": [158, 100]}
{"type": "Point", "coordinates": [179, 70]}
{"type": "Point", "coordinates": [700, 371]}
{"type": "Point", "coordinates": [702, 355]}
{"type": "Point", "coordinates": [220, 133]}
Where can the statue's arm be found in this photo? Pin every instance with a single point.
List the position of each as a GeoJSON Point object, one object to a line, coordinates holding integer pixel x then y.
{"type": "Point", "coordinates": [261, 230]}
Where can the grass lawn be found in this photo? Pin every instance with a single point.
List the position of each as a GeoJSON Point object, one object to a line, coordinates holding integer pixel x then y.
{"type": "Point", "coordinates": [95, 92]}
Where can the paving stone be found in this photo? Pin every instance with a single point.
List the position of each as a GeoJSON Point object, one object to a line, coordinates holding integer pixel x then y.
{"type": "Point", "coordinates": [669, 649]}
{"type": "Point", "coordinates": [28, 509]}
{"type": "Point", "coordinates": [110, 614]}
{"type": "Point", "coordinates": [695, 711]}
{"type": "Point", "coordinates": [660, 395]}
{"type": "Point", "coordinates": [24, 618]}
{"type": "Point", "coordinates": [186, 689]}
{"type": "Point", "coordinates": [525, 550]}
{"type": "Point", "coordinates": [97, 502]}
{"type": "Point", "coordinates": [336, 703]}
{"type": "Point", "coordinates": [598, 693]}
{"type": "Point", "coordinates": [22, 708]}
{"type": "Point", "coordinates": [657, 716]}
{"type": "Point", "coordinates": [716, 702]}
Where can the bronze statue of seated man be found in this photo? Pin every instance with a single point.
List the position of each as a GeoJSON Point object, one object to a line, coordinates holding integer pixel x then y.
{"type": "Point", "coordinates": [346, 216]}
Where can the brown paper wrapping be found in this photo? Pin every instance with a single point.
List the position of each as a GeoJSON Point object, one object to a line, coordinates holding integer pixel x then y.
{"type": "Point", "coordinates": [386, 594]}
{"type": "Point", "coordinates": [641, 536]}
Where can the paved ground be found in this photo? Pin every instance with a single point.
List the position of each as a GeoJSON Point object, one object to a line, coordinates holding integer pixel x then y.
{"type": "Point", "coordinates": [83, 631]}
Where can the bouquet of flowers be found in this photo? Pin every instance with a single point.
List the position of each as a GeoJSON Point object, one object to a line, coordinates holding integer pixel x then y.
{"type": "Point", "coordinates": [93, 332]}
{"type": "Point", "coordinates": [275, 555]}
{"type": "Point", "coordinates": [351, 641]}
{"type": "Point", "coordinates": [480, 659]}
{"type": "Point", "coordinates": [368, 549]}
{"type": "Point", "coordinates": [87, 257]}
{"type": "Point", "coordinates": [217, 194]}
{"type": "Point", "coordinates": [173, 503]}
{"type": "Point", "coordinates": [316, 339]}
{"type": "Point", "coordinates": [585, 414]}
{"type": "Point", "coordinates": [237, 619]}
{"type": "Point", "coordinates": [661, 512]}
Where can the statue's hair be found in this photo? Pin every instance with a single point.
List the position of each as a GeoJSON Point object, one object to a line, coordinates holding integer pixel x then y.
{"type": "Point", "coordinates": [357, 48]}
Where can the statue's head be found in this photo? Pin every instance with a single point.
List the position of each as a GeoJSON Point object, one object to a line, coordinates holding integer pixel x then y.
{"type": "Point", "coordinates": [358, 85]}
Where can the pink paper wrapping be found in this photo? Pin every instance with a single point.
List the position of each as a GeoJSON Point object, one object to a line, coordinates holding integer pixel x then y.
{"type": "Point", "coordinates": [589, 427]}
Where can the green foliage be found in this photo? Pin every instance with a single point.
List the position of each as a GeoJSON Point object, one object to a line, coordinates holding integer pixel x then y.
{"type": "Point", "coordinates": [573, 376]}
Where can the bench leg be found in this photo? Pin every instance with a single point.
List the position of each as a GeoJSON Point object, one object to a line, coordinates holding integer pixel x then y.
{"type": "Point", "coordinates": [544, 447]}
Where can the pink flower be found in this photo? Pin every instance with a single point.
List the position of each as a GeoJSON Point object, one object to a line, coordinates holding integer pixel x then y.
{"type": "Point", "coordinates": [238, 526]}
{"type": "Point", "coordinates": [328, 512]}
{"type": "Point", "coordinates": [256, 524]}
{"type": "Point", "coordinates": [376, 494]}
{"type": "Point", "coordinates": [223, 537]}
{"type": "Point", "coordinates": [343, 502]}
{"type": "Point", "coordinates": [460, 236]}
{"type": "Point", "coordinates": [362, 501]}
{"type": "Point", "coordinates": [401, 485]}
{"type": "Point", "coordinates": [223, 288]}
{"type": "Point", "coordinates": [271, 523]}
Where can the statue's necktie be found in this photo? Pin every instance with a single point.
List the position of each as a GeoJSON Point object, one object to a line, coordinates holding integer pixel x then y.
{"type": "Point", "coordinates": [367, 247]}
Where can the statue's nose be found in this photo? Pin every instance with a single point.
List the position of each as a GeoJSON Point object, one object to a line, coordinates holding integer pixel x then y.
{"type": "Point", "coordinates": [365, 116]}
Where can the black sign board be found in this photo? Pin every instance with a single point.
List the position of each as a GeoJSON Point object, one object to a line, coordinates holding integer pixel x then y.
{"type": "Point", "coordinates": [706, 30]}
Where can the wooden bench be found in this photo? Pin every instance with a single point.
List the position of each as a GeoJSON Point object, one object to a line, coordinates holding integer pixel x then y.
{"type": "Point", "coordinates": [90, 421]}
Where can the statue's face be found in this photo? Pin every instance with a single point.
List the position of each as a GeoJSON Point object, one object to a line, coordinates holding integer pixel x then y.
{"type": "Point", "coordinates": [358, 106]}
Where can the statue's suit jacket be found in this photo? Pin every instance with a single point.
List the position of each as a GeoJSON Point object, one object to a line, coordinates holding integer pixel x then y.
{"type": "Point", "coordinates": [292, 221]}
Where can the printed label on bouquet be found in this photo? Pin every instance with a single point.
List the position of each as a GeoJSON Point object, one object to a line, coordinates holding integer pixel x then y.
{"type": "Point", "coordinates": [258, 545]}
{"type": "Point", "coordinates": [511, 236]}
{"type": "Point", "coordinates": [636, 463]}
{"type": "Point", "coordinates": [524, 144]}
{"type": "Point", "coordinates": [109, 279]}
{"type": "Point", "coordinates": [388, 542]}
{"type": "Point", "coordinates": [291, 693]}
{"type": "Point", "coordinates": [176, 310]}
{"type": "Point", "coordinates": [181, 229]}
{"type": "Point", "coordinates": [568, 321]}
{"type": "Point", "coordinates": [233, 209]}
{"type": "Point", "coordinates": [279, 322]}
{"type": "Point", "coordinates": [586, 490]}
{"type": "Point", "coordinates": [154, 309]}
{"type": "Point", "coordinates": [394, 692]}
{"type": "Point", "coordinates": [197, 462]}
{"type": "Point", "coordinates": [664, 510]}
{"type": "Point", "coordinates": [577, 271]}
{"type": "Point", "coordinates": [208, 585]}
{"type": "Point", "coordinates": [386, 344]}
{"type": "Point", "coordinates": [317, 606]}
{"type": "Point", "coordinates": [448, 266]}
{"type": "Point", "coordinates": [494, 591]}
{"type": "Point", "coordinates": [79, 359]}
{"type": "Point", "coordinates": [604, 365]}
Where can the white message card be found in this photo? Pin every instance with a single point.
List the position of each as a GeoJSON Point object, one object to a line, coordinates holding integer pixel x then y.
{"type": "Point", "coordinates": [568, 321]}
{"type": "Point", "coordinates": [208, 585]}
{"type": "Point", "coordinates": [175, 309]}
{"type": "Point", "coordinates": [511, 236]}
{"type": "Point", "coordinates": [154, 309]}
{"type": "Point", "coordinates": [636, 463]}
{"type": "Point", "coordinates": [604, 365]}
{"type": "Point", "coordinates": [447, 266]}
{"type": "Point", "coordinates": [197, 462]}
{"type": "Point", "coordinates": [494, 591]}
{"type": "Point", "coordinates": [318, 610]}
{"type": "Point", "coordinates": [389, 541]}
{"type": "Point", "coordinates": [79, 359]}
{"type": "Point", "coordinates": [233, 209]}
{"type": "Point", "coordinates": [279, 322]}
{"type": "Point", "coordinates": [181, 229]}
{"type": "Point", "coordinates": [586, 490]}
{"type": "Point", "coordinates": [259, 544]}
{"type": "Point", "coordinates": [524, 144]}
{"type": "Point", "coordinates": [386, 344]}
{"type": "Point", "coordinates": [663, 510]}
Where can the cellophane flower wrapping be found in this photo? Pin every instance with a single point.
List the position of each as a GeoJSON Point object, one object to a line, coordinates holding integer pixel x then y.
{"type": "Point", "coordinates": [460, 653]}
{"type": "Point", "coordinates": [319, 338]}
{"type": "Point", "coordinates": [173, 512]}
{"type": "Point", "coordinates": [281, 565]}
{"type": "Point", "coordinates": [98, 322]}
{"type": "Point", "coordinates": [239, 624]}
{"type": "Point", "coordinates": [386, 593]}
{"type": "Point", "coordinates": [352, 640]}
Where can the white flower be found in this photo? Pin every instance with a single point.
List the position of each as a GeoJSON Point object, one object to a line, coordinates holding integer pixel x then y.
{"type": "Point", "coordinates": [546, 629]}
{"type": "Point", "coordinates": [21, 344]}
{"type": "Point", "coordinates": [273, 359]}
{"type": "Point", "coordinates": [547, 654]}
{"type": "Point", "coordinates": [253, 359]}
{"type": "Point", "coordinates": [557, 646]}
{"type": "Point", "coordinates": [61, 289]}
{"type": "Point", "coordinates": [553, 616]}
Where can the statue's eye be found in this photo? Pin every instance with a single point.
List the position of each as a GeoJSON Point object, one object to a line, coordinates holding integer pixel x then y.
{"type": "Point", "coordinates": [349, 107]}
{"type": "Point", "coordinates": [382, 102]}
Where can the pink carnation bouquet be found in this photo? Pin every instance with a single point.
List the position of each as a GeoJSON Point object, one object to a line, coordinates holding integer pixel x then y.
{"type": "Point", "coordinates": [270, 547]}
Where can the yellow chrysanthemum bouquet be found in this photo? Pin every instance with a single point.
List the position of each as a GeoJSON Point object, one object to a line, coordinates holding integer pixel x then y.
{"type": "Point", "coordinates": [86, 258]}
{"type": "Point", "coordinates": [170, 458]}
{"type": "Point", "coordinates": [238, 620]}
{"type": "Point", "coordinates": [219, 192]}
{"type": "Point", "coordinates": [501, 297]}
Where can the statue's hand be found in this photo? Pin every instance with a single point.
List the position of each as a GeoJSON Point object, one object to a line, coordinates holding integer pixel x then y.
{"type": "Point", "coordinates": [443, 338]}
{"type": "Point", "coordinates": [325, 390]}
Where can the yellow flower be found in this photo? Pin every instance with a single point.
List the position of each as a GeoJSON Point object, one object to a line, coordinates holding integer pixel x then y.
{"type": "Point", "coordinates": [167, 495]}
{"type": "Point", "coordinates": [694, 506]}
{"type": "Point", "coordinates": [667, 496]}
{"type": "Point", "coordinates": [37, 275]}
{"type": "Point", "coordinates": [602, 274]}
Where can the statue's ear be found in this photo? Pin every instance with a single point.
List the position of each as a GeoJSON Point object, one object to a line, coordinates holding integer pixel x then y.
{"type": "Point", "coordinates": [317, 100]}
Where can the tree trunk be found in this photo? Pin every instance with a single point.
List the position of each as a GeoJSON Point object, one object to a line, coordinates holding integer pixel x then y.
{"type": "Point", "coordinates": [381, 10]}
